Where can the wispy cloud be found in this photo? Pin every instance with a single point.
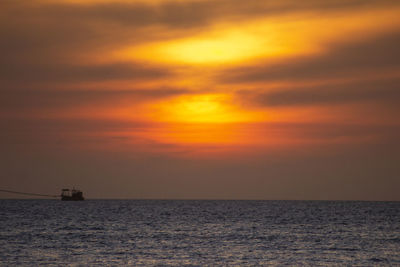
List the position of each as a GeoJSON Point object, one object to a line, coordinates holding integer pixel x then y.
{"type": "Point", "coordinates": [365, 57]}
{"type": "Point", "coordinates": [384, 92]}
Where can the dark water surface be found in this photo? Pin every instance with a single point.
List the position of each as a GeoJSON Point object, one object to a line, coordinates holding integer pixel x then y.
{"type": "Point", "coordinates": [193, 233]}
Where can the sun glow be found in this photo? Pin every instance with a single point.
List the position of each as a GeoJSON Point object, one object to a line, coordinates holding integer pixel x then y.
{"type": "Point", "coordinates": [209, 108]}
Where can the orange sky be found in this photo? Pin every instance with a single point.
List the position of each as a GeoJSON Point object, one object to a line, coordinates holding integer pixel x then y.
{"type": "Point", "coordinates": [199, 79]}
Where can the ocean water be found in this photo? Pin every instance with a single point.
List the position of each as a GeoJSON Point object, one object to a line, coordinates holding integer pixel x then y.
{"type": "Point", "coordinates": [199, 233]}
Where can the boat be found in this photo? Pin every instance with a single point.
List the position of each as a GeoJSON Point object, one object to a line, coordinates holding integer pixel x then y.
{"type": "Point", "coordinates": [71, 195]}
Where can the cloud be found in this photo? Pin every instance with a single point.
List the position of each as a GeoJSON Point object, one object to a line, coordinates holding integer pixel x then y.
{"type": "Point", "coordinates": [19, 101]}
{"type": "Point", "coordinates": [325, 131]}
{"type": "Point", "coordinates": [179, 13]}
{"type": "Point", "coordinates": [381, 91]}
{"type": "Point", "coordinates": [56, 41]}
{"type": "Point", "coordinates": [60, 28]}
{"type": "Point", "coordinates": [67, 131]}
{"type": "Point", "coordinates": [116, 132]}
{"type": "Point", "coordinates": [347, 60]}
{"type": "Point", "coordinates": [78, 73]}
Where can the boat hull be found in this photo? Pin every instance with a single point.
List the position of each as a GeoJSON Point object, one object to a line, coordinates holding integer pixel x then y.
{"type": "Point", "coordinates": [68, 198]}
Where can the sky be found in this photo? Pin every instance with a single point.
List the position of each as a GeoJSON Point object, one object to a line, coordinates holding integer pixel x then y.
{"type": "Point", "coordinates": [201, 99]}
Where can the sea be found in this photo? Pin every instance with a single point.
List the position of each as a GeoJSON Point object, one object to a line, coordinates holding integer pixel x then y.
{"type": "Point", "coordinates": [199, 233]}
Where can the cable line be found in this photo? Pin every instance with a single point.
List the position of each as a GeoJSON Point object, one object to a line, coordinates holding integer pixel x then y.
{"type": "Point", "coordinates": [25, 193]}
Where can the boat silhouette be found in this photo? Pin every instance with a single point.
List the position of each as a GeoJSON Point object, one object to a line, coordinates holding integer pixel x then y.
{"type": "Point", "coordinates": [71, 195]}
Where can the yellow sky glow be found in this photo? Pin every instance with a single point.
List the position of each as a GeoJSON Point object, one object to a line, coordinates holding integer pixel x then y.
{"type": "Point", "coordinates": [192, 58]}
{"type": "Point", "coordinates": [277, 37]}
